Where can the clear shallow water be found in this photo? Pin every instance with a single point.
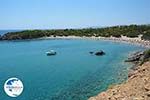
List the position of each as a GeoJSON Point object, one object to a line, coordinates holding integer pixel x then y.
{"type": "Point", "coordinates": [73, 74]}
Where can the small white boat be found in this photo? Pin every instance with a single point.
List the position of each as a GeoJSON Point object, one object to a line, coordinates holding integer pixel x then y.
{"type": "Point", "coordinates": [51, 52]}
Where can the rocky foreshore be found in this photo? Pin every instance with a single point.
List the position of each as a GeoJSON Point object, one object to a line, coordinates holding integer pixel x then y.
{"type": "Point", "coordinates": [137, 87]}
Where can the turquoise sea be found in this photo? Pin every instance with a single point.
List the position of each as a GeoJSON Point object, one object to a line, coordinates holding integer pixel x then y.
{"type": "Point", "coordinates": [73, 74]}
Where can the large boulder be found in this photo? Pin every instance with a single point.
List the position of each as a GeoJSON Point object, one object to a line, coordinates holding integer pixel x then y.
{"type": "Point", "coordinates": [99, 53]}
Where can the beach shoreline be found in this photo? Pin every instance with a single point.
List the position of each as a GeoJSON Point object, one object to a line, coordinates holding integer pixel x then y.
{"type": "Point", "coordinates": [123, 39]}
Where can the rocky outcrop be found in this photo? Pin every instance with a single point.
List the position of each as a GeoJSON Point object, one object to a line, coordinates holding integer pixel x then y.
{"type": "Point", "coordinates": [135, 57]}
{"type": "Point", "coordinates": [139, 58]}
{"type": "Point", "coordinates": [100, 53]}
{"type": "Point", "coordinates": [97, 53]}
{"type": "Point", "coordinates": [137, 87]}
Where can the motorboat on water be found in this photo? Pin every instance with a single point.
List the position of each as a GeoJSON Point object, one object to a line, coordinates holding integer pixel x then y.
{"type": "Point", "coordinates": [51, 52]}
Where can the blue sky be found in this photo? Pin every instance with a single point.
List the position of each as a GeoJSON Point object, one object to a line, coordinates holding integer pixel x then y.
{"type": "Point", "coordinates": [49, 14]}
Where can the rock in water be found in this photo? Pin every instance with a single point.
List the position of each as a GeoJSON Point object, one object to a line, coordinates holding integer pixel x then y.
{"type": "Point", "coordinates": [100, 53]}
{"type": "Point", "coordinates": [0, 37]}
{"type": "Point", "coordinates": [91, 52]}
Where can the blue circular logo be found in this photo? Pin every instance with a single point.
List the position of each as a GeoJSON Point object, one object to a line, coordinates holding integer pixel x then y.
{"type": "Point", "coordinates": [13, 87]}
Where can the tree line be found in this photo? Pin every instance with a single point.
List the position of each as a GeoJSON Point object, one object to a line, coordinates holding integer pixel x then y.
{"type": "Point", "coordinates": [115, 31]}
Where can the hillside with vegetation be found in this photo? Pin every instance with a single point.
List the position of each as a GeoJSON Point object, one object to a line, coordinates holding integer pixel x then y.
{"type": "Point", "coordinates": [115, 31]}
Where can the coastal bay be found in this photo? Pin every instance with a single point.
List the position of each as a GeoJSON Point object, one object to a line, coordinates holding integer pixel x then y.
{"type": "Point", "coordinates": [75, 50]}
{"type": "Point", "coordinates": [72, 74]}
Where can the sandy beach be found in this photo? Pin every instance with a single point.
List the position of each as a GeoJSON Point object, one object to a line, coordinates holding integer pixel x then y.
{"type": "Point", "coordinates": [124, 39]}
